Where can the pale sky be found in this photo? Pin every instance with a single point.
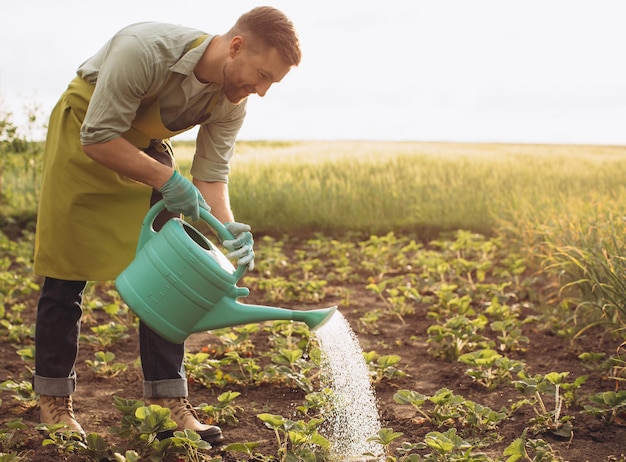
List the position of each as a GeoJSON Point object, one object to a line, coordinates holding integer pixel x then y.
{"type": "Point", "coordinates": [532, 71]}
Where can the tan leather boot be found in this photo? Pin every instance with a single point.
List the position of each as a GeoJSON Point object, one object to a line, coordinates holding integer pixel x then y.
{"type": "Point", "coordinates": [186, 418]}
{"type": "Point", "coordinates": [58, 409]}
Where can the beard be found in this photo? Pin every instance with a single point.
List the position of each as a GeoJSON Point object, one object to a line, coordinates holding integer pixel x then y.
{"type": "Point", "coordinates": [235, 91]}
{"type": "Point", "coordinates": [235, 94]}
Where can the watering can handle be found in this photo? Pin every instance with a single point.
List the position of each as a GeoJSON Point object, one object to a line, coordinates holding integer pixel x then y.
{"type": "Point", "coordinates": [148, 232]}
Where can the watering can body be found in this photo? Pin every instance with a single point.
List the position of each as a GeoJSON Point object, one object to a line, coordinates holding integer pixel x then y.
{"type": "Point", "coordinates": [180, 283]}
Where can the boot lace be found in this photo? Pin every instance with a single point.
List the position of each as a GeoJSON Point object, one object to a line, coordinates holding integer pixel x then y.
{"type": "Point", "coordinates": [61, 405]}
{"type": "Point", "coordinates": [184, 408]}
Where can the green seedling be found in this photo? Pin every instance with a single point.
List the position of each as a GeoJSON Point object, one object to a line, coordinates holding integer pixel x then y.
{"type": "Point", "coordinates": [14, 457]}
{"type": "Point", "coordinates": [290, 367]}
{"type": "Point", "coordinates": [551, 384]}
{"type": "Point", "coordinates": [308, 266]}
{"type": "Point", "coordinates": [458, 334]}
{"type": "Point", "coordinates": [594, 361]}
{"type": "Point", "coordinates": [18, 333]}
{"type": "Point", "coordinates": [188, 444]}
{"type": "Point", "coordinates": [200, 369]}
{"type": "Point", "coordinates": [95, 448]}
{"type": "Point", "coordinates": [446, 408]}
{"type": "Point", "coordinates": [106, 335]}
{"type": "Point", "coordinates": [533, 450]}
{"type": "Point", "coordinates": [383, 367]}
{"type": "Point", "coordinates": [317, 402]}
{"type": "Point", "coordinates": [102, 296]}
{"type": "Point", "coordinates": [22, 392]}
{"type": "Point", "coordinates": [27, 354]}
{"type": "Point", "coordinates": [275, 289]}
{"type": "Point", "coordinates": [296, 440]}
{"type": "Point", "coordinates": [510, 336]}
{"type": "Point", "coordinates": [607, 405]}
{"type": "Point", "coordinates": [368, 323]}
{"type": "Point", "coordinates": [140, 426]}
{"type": "Point", "coordinates": [288, 334]}
{"type": "Point", "coordinates": [489, 368]}
{"type": "Point", "coordinates": [12, 435]}
{"type": "Point", "coordinates": [448, 446]}
{"type": "Point", "coordinates": [482, 419]}
{"type": "Point", "coordinates": [378, 254]}
{"type": "Point", "coordinates": [450, 303]}
{"type": "Point", "coordinates": [399, 299]}
{"type": "Point", "coordinates": [415, 399]}
{"type": "Point", "coordinates": [495, 308]}
{"type": "Point", "coordinates": [385, 437]}
{"type": "Point", "coordinates": [245, 370]}
{"type": "Point", "coordinates": [224, 411]}
{"type": "Point", "coordinates": [66, 442]}
{"type": "Point", "coordinates": [247, 449]}
{"type": "Point", "coordinates": [104, 366]}
{"type": "Point", "coordinates": [234, 339]}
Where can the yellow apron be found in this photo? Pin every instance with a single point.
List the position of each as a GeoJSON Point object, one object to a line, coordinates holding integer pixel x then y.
{"type": "Point", "coordinates": [89, 216]}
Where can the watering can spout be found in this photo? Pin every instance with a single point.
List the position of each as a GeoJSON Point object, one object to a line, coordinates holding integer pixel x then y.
{"type": "Point", "coordinates": [315, 318]}
{"type": "Point", "coordinates": [229, 313]}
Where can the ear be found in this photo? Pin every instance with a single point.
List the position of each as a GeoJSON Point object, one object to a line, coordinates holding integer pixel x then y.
{"type": "Point", "coordinates": [237, 44]}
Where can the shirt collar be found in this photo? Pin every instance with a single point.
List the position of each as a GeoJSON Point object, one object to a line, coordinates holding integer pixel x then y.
{"type": "Point", "coordinates": [188, 61]}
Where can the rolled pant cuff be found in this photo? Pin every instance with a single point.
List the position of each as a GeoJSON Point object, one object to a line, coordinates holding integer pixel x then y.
{"type": "Point", "coordinates": [51, 386]}
{"type": "Point", "coordinates": [172, 388]}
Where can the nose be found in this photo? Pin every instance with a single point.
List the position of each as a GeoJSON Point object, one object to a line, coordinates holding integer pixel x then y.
{"type": "Point", "coordinates": [262, 88]}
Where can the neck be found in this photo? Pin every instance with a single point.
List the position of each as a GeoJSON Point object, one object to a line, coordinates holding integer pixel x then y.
{"type": "Point", "coordinates": [210, 65]}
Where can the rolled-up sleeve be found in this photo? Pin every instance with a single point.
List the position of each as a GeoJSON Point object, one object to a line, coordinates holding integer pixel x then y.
{"type": "Point", "coordinates": [125, 76]}
{"type": "Point", "coordinates": [215, 146]}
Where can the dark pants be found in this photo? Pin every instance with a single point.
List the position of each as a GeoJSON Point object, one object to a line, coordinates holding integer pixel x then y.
{"type": "Point", "coordinates": [57, 331]}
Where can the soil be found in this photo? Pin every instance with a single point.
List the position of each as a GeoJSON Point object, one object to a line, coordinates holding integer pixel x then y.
{"type": "Point", "coordinates": [593, 440]}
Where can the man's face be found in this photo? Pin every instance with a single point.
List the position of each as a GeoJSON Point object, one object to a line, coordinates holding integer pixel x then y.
{"type": "Point", "coordinates": [247, 72]}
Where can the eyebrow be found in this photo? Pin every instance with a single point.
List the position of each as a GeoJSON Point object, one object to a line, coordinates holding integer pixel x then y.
{"type": "Point", "coordinates": [268, 74]}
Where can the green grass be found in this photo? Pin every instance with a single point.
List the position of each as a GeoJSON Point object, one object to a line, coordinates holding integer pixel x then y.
{"type": "Point", "coordinates": [421, 187]}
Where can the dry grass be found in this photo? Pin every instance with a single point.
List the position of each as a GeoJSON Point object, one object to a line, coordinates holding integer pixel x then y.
{"type": "Point", "coordinates": [270, 151]}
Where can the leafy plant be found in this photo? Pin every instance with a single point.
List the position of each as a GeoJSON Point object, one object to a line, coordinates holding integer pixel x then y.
{"type": "Point", "coordinates": [385, 437]}
{"type": "Point", "coordinates": [510, 336]}
{"type": "Point", "coordinates": [140, 425]}
{"type": "Point", "coordinates": [446, 408]}
{"type": "Point", "coordinates": [607, 405]}
{"type": "Point", "coordinates": [448, 446]}
{"type": "Point", "coordinates": [297, 440]}
{"type": "Point", "coordinates": [457, 335]}
{"type": "Point", "coordinates": [383, 367]}
{"type": "Point", "coordinates": [225, 410]}
{"type": "Point", "coordinates": [12, 436]}
{"type": "Point", "coordinates": [533, 450]}
{"type": "Point", "coordinates": [65, 441]}
{"type": "Point", "coordinates": [103, 364]}
{"type": "Point", "coordinates": [22, 391]}
{"type": "Point", "coordinates": [489, 368]}
{"type": "Point", "coordinates": [106, 335]}
{"type": "Point", "coordinates": [551, 384]}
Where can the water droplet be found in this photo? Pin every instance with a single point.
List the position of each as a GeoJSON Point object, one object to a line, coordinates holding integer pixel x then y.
{"type": "Point", "coordinates": [355, 414]}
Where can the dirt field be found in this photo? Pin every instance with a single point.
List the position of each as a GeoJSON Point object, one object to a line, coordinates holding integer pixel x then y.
{"type": "Point", "coordinates": [592, 440]}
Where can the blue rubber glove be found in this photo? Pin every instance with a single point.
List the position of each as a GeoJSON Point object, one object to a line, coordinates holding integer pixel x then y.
{"type": "Point", "coordinates": [181, 196]}
{"type": "Point", "coordinates": [240, 248]}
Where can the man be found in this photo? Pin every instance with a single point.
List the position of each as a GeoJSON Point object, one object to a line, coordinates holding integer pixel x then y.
{"type": "Point", "coordinates": [107, 159]}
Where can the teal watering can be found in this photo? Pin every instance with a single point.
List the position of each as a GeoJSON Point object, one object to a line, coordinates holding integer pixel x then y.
{"type": "Point", "coordinates": [180, 282]}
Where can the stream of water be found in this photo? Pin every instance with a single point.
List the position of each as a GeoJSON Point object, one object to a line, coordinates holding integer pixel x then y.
{"type": "Point", "coordinates": [355, 416]}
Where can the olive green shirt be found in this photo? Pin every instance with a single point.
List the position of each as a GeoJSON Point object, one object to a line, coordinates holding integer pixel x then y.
{"type": "Point", "coordinates": [154, 60]}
